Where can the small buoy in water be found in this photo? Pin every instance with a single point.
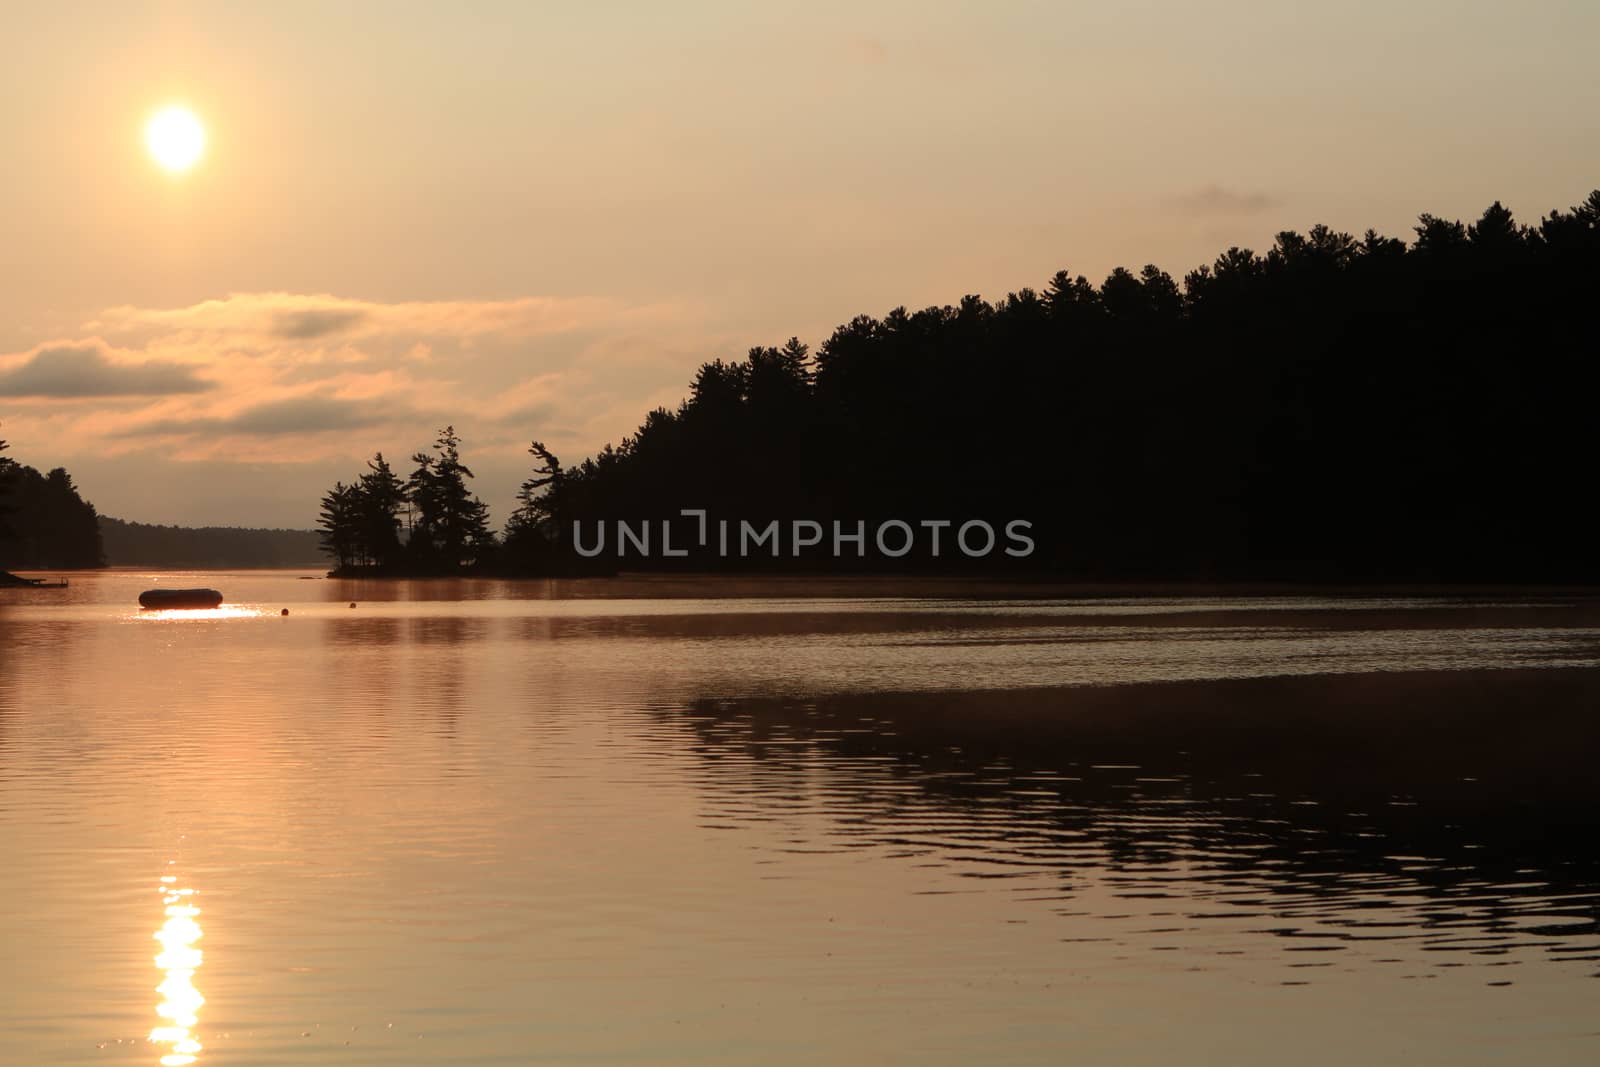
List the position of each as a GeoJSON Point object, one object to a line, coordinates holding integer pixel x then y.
{"type": "Point", "coordinates": [285, 611]}
{"type": "Point", "coordinates": [352, 603]}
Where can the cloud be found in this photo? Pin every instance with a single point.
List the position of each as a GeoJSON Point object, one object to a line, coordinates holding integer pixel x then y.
{"type": "Point", "coordinates": [535, 413]}
{"type": "Point", "coordinates": [291, 415]}
{"type": "Point", "coordinates": [312, 323]}
{"type": "Point", "coordinates": [318, 382]}
{"type": "Point", "coordinates": [88, 369]}
{"type": "Point", "coordinates": [1219, 200]}
{"type": "Point", "coordinates": [266, 320]}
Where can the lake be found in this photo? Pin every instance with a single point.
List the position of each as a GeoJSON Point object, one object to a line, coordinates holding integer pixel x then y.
{"type": "Point", "coordinates": [662, 822]}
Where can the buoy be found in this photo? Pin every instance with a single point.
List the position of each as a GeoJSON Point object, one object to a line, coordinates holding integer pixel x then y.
{"type": "Point", "coordinates": [285, 611]}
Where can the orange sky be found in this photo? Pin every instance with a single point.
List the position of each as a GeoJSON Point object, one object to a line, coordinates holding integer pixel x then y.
{"type": "Point", "coordinates": [537, 222]}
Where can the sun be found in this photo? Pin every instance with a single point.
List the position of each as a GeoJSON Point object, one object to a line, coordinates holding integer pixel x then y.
{"type": "Point", "coordinates": [175, 138]}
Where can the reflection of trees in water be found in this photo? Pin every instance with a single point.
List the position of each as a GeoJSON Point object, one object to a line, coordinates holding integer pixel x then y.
{"type": "Point", "coordinates": [445, 629]}
{"type": "Point", "coordinates": [1448, 812]}
{"type": "Point", "coordinates": [363, 631]}
{"type": "Point", "coordinates": [420, 659]}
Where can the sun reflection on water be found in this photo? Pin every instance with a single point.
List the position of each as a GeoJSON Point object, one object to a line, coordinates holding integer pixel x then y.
{"type": "Point", "coordinates": [226, 611]}
{"type": "Point", "coordinates": [181, 1001]}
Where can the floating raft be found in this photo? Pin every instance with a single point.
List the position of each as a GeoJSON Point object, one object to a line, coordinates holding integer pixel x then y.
{"type": "Point", "coordinates": [179, 598]}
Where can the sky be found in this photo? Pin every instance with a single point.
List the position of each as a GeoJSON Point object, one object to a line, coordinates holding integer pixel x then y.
{"type": "Point", "coordinates": [533, 220]}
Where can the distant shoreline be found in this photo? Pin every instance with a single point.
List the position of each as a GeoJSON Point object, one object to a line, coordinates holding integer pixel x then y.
{"type": "Point", "coordinates": [820, 585]}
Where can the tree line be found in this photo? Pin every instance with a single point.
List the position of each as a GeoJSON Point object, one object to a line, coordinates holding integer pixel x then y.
{"type": "Point", "coordinates": [44, 523]}
{"type": "Point", "coordinates": [138, 544]}
{"type": "Point", "coordinates": [6, 465]}
{"type": "Point", "coordinates": [6, 475]}
{"type": "Point", "coordinates": [1337, 408]}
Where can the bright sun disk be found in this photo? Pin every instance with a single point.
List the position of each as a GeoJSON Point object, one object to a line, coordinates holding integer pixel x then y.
{"type": "Point", "coordinates": [175, 138]}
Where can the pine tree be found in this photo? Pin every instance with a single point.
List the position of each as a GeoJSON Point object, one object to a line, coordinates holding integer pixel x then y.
{"type": "Point", "coordinates": [452, 526]}
{"type": "Point", "coordinates": [382, 496]}
{"type": "Point", "coordinates": [534, 528]}
{"type": "Point", "coordinates": [534, 507]}
{"type": "Point", "coordinates": [339, 524]}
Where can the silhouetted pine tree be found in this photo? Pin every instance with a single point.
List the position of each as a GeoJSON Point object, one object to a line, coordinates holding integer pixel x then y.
{"type": "Point", "coordinates": [533, 533]}
{"type": "Point", "coordinates": [381, 496]}
{"type": "Point", "coordinates": [339, 525]}
{"type": "Point", "coordinates": [451, 529]}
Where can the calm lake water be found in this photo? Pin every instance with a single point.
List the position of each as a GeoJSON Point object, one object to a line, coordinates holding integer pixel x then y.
{"type": "Point", "coordinates": [659, 823]}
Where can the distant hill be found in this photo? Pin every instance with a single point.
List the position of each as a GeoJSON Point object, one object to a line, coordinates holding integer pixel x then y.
{"type": "Point", "coordinates": [137, 544]}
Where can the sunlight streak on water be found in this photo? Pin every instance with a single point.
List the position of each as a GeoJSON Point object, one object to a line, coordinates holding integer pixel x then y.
{"type": "Point", "coordinates": [180, 959]}
{"type": "Point", "coordinates": [227, 611]}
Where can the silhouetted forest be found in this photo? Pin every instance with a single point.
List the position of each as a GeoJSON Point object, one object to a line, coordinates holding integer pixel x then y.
{"type": "Point", "coordinates": [137, 544]}
{"type": "Point", "coordinates": [44, 523]}
{"type": "Point", "coordinates": [7, 467]}
{"type": "Point", "coordinates": [7, 472]}
{"type": "Point", "coordinates": [428, 524]}
{"type": "Point", "coordinates": [1338, 408]}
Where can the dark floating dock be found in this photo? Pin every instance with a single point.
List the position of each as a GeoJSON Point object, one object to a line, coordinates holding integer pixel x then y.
{"type": "Point", "coordinates": [180, 598]}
